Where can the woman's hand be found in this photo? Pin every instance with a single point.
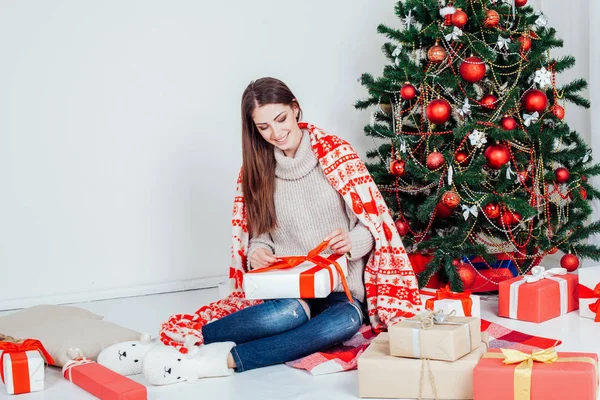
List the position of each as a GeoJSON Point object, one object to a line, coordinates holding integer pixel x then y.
{"type": "Point", "coordinates": [339, 241]}
{"type": "Point", "coordinates": [262, 258]}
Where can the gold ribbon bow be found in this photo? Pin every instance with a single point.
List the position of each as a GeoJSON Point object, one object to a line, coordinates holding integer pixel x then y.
{"type": "Point", "coordinates": [522, 390]}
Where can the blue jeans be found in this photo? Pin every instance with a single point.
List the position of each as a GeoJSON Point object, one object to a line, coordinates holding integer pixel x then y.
{"type": "Point", "coordinates": [278, 331]}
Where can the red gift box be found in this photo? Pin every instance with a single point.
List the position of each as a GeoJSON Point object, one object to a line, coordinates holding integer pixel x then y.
{"type": "Point", "coordinates": [511, 374]}
{"type": "Point", "coordinates": [536, 299]}
{"type": "Point", "coordinates": [102, 382]}
{"type": "Point", "coordinates": [22, 366]}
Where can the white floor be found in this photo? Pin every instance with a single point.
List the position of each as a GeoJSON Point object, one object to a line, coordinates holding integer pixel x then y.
{"type": "Point", "coordinates": [278, 382]}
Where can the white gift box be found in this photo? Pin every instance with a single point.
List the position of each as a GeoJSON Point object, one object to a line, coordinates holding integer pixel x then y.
{"type": "Point", "coordinates": [35, 368]}
{"type": "Point", "coordinates": [306, 280]}
{"type": "Point", "coordinates": [449, 305]}
{"type": "Point", "coordinates": [590, 278]}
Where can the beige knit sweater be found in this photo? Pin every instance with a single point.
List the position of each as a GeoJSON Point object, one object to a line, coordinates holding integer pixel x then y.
{"type": "Point", "coordinates": [308, 209]}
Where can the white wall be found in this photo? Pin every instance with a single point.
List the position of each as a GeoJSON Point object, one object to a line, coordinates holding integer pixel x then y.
{"type": "Point", "coordinates": [120, 130]}
{"type": "Point", "coordinates": [572, 23]}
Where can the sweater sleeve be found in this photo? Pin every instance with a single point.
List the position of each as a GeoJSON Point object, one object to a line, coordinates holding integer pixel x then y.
{"type": "Point", "coordinates": [361, 238]}
{"type": "Point", "coordinates": [263, 241]}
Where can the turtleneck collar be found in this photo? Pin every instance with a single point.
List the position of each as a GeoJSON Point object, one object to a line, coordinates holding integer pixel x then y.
{"type": "Point", "coordinates": [300, 165]}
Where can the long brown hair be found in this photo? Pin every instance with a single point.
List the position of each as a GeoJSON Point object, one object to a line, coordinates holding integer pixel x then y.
{"type": "Point", "coordinates": [258, 157]}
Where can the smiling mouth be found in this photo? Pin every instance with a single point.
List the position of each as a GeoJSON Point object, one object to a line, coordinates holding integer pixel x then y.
{"type": "Point", "coordinates": [282, 140]}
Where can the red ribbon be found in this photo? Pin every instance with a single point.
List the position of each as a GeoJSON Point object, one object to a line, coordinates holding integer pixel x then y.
{"type": "Point", "coordinates": [314, 257]}
{"type": "Point", "coordinates": [16, 348]}
{"type": "Point", "coordinates": [446, 294]}
{"type": "Point", "coordinates": [587, 293]}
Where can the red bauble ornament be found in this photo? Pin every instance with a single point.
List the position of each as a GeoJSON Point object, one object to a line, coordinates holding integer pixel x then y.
{"type": "Point", "coordinates": [534, 100]}
{"type": "Point", "coordinates": [397, 167]}
{"type": "Point", "coordinates": [520, 3]}
{"type": "Point", "coordinates": [561, 175]}
{"type": "Point", "coordinates": [402, 226]}
{"type": "Point", "coordinates": [442, 211]}
{"type": "Point", "coordinates": [461, 157]}
{"type": "Point", "coordinates": [435, 160]}
{"type": "Point", "coordinates": [508, 123]}
{"type": "Point", "coordinates": [451, 199]}
{"type": "Point", "coordinates": [408, 91]}
{"type": "Point", "coordinates": [525, 43]}
{"type": "Point", "coordinates": [467, 275]}
{"type": "Point", "coordinates": [472, 69]}
{"type": "Point", "coordinates": [496, 155]}
{"type": "Point", "coordinates": [509, 218]}
{"type": "Point", "coordinates": [583, 193]}
{"type": "Point", "coordinates": [558, 111]}
{"type": "Point", "coordinates": [552, 251]}
{"type": "Point", "coordinates": [492, 210]}
{"type": "Point", "coordinates": [492, 19]}
{"type": "Point", "coordinates": [438, 111]}
{"type": "Point", "coordinates": [489, 101]}
{"type": "Point", "coordinates": [459, 18]}
{"type": "Point", "coordinates": [570, 262]}
{"type": "Point", "coordinates": [436, 53]}
{"type": "Point", "coordinates": [448, 20]}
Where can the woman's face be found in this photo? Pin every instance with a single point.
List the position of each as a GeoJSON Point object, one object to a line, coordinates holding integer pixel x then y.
{"type": "Point", "coordinates": [277, 124]}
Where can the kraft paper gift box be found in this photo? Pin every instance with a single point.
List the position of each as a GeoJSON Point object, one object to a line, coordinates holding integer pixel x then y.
{"type": "Point", "coordinates": [22, 366]}
{"type": "Point", "coordinates": [544, 295]}
{"type": "Point", "coordinates": [550, 376]}
{"type": "Point", "coordinates": [304, 281]}
{"type": "Point", "coordinates": [448, 341]}
{"type": "Point", "coordinates": [102, 382]}
{"type": "Point", "coordinates": [463, 304]}
{"type": "Point", "coordinates": [385, 376]}
{"type": "Point", "coordinates": [589, 293]}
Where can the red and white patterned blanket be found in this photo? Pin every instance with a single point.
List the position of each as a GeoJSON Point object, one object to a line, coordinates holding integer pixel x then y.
{"type": "Point", "coordinates": [391, 285]}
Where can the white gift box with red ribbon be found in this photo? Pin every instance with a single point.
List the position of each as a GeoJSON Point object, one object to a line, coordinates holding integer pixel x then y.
{"type": "Point", "coordinates": [23, 372]}
{"type": "Point", "coordinates": [449, 305]}
{"type": "Point", "coordinates": [307, 280]}
{"type": "Point", "coordinates": [589, 293]}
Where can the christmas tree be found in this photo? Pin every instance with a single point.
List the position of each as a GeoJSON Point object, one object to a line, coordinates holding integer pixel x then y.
{"type": "Point", "coordinates": [472, 153]}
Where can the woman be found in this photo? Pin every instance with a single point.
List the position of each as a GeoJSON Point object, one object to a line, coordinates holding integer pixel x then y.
{"type": "Point", "coordinates": [292, 200]}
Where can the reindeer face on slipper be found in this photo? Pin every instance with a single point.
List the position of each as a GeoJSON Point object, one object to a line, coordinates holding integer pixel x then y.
{"type": "Point", "coordinates": [165, 365]}
{"type": "Point", "coordinates": [126, 358]}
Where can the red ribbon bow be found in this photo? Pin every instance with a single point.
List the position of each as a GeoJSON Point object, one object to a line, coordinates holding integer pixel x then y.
{"type": "Point", "coordinates": [445, 293]}
{"type": "Point", "coordinates": [587, 293]}
{"type": "Point", "coordinates": [314, 257]}
{"type": "Point", "coordinates": [26, 345]}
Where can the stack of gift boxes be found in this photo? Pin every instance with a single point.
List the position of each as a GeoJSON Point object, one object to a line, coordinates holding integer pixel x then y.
{"type": "Point", "coordinates": [429, 356]}
{"type": "Point", "coordinates": [442, 354]}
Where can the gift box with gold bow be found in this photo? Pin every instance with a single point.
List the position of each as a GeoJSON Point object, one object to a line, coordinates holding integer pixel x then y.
{"type": "Point", "coordinates": [589, 293]}
{"type": "Point", "coordinates": [22, 366]}
{"type": "Point", "coordinates": [435, 336]}
{"type": "Point", "coordinates": [543, 295]}
{"type": "Point", "coordinates": [382, 375]}
{"type": "Point", "coordinates": [304, 277]}
{"type": "Point", "coordinates": [464, 304]}
{"type": "Point", "coordinates": [546, 374]}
